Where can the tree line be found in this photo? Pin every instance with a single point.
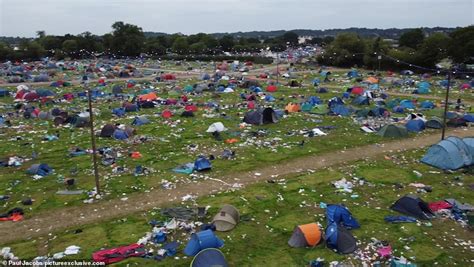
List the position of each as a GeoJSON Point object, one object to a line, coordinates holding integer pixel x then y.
{"type": "Point", "coordinates": [345, 50]}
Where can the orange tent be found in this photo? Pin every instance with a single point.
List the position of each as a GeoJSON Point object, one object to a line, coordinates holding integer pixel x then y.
{"type": "Point", "coordinates": [306, 235]}
{"type": "Point", "coordinates": [148, 97]}
{"type": "Point", "coordinates": [292, 107]}
{"type": "Point", "coordinates": [372, 80]}
{"type": "Point", "coordinates": [135, 155]}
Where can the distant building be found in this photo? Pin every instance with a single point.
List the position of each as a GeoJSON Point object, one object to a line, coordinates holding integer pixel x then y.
{"type": "Point", "coordinates": [303, 39]}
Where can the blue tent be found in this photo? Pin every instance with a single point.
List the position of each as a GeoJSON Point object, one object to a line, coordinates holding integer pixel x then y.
{"type": "Point", "coordinates": [340, 239]}
{"type": "Point", "coordinates": [361, 100]}
{"type": "Point", "coordinates": [447, 155]}
{"type": "Point", "coordinates": [427, 104]}
{"type": "Point", "coordinates": [398, 109]}
{"type": "Point", "coordinates": [346, 95]}
{"type": "Point", "coordinates": [120, 134]}
{"type": "Point", "coordinates": [406, 72]}
{"type": "Point", "coordinates": [353, 74]}
{"type": "Point", "coordinates": [469, 141]}
{"type": "Point", "coordinates": [468, 117]}
{"type": "Point", "coordinates": [119, 112]}
{"type": "Point", "coordinates": [140, 120]}
{"type": "Point", "coordinates": [209, 257]}
{"type": "Point", "coordinates": [40, 169]}
{"type": "Point", "coordinates": [316, 82]}
{"type": "Point", "coordinates": [341, 216]}
{"type": "Point", "coordinates": [185, 169]}
{"type": "Point", "coordinates": [44, 92]}
{"type": "Point", "coordinates": [205, 77]}
{"type": "Point", "coordinates": [415, 125]}
{"type": "Point", "coordinates": [4, 92]}
{"type": "Point", "coordinates": [202, 240]}
{"type": "Point", "coordinates": [314, 100]}
{"type": "Point", "coordinates": [423, 88]}
{"type": "Point", "coordinates": [464, 149]}
{"type": "Point", "coordinates": [335, 101]}
{"type": "Point", "coordinates": [269, 98]}
{"type": "Point", "coordinates": [340, 110]}
{"type": "Point", "coordinates": [322, 90]}
{"type": "Point", "coordinates": [202, 164]}
{"type": "Point", "coordinates": [408, 104]}
{"type": "Point", "coordinates": [373, 86]}
{"type": "Point", "coordinates": [41, 78]}
{"type": "Point", "coordinates": [378, 112]}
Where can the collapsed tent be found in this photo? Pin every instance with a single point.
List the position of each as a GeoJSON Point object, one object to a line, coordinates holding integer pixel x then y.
{"type": "Point", "coordinates": [306, 235]}
{"type": "Point", "coordinates": [202, 164]}
{"type": "Point", "coordinates": [408, 104]}
{"type": "Point", "coordinates": [109, 256]}
{"type": "Point", "coordinates": [393, 131]}
{"type": "Point", "coordinates": [361, 100]}
{"type": "Point", "coordinates": [140, 120]}
{"type": "Point", "coordinates": [413, 206]}
{"type": "Point", "coordinates": [202, 240]}
{"type": "Point", "coordinates": [340, 110]}
{"type": "Point", "coordinates": [450, 154]}
{"type": "Point", "coordinates": [40, 169]}
{"type": "Point", "coordinates": [226, 219]}
{"type": "Point", "coordinates": [342, 216]}
{"type": "Point", "coordinates": [209, 257]}
{"type": "Point", "coordinates": [259, 117]}
{"type": "Point", "coordinates": [340, 239]}
{"type": "Point", "coordinates": [216, 127]}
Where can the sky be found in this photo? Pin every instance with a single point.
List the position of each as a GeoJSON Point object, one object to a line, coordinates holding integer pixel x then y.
{"type": "Point", "coordinates": [58, 17]}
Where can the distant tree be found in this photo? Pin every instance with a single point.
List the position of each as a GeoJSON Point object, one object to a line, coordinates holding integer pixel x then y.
{"type": "Point", "coordinates": [346, 50]}
{"type": "Point", "coordinates": [412, 38]}
{"type": "Point", "coordinates": [127, 39]}
{"type": "Point", "coordinates": [32, 50]}
{"type": "Point", "coordinates": [198, 48]}
{"type": "Point", "coordinates": [5, 51]}
{"type": "Point", "coordinates": [70, 47]}
{"type": "Point", "coordinates": [290, 38]}
{"type": "Point", "coordinates": [433, 49]}
{"type": "Point", "coordinates": [180, 45]}
{"type": "Point", "coordinates": [50, 42]}
{"type": "Point", "coordinates": [461, 47]}
{"type": "Point", "coordinates": [153, 46]}
{"type": "Point", "coordinates": [374, 48]}
{"type": "Point", "coordinates": [40, 34]}
{"type": "Point", "coordinates": [227, 42]}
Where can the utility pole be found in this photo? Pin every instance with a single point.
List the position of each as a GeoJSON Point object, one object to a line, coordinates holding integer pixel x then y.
{"type": "Point", "coordinates": [94, 149]}
{"type": "Point", "coordinates": [278, 66]}
{"type": "Point", "coordinates": [446, 105]}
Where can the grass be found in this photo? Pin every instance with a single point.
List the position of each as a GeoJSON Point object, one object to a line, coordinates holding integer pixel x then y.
{"type": "Point", "coordinates": [261, 239]}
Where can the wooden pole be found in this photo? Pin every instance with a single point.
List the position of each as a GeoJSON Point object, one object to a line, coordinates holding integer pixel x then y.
{"type": "Point", "coordinates": [94, 149]}
{"type": "Point", "coordinates": [446, 106]}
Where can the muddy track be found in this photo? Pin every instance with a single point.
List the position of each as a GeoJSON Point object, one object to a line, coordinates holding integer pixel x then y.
{"type": "Point", "coordinates": [48, 222]}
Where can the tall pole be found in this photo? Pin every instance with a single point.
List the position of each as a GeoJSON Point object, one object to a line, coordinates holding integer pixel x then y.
{"type": "Point", "coordinates": [94, 150]}
{"type": "Point", "coordinates": [278, 65]}
{"type": "Point", "coordinates": [446, 105]}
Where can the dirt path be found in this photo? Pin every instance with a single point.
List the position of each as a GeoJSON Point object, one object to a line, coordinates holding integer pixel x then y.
{"type": "Point", "coordinates": [48, 222]}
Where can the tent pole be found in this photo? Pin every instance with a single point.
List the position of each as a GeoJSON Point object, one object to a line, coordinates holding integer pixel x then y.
{"type": "Point", "coordinates": [446, 105]}
{"type": "Point", "coordinates": [94, 152]}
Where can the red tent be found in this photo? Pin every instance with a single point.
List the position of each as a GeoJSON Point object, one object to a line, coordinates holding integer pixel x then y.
{"type": "Point", "coordinates": [168, 77]}
{"type": "Point", "coordinates": [271, 88]}
{"type": "Point", "coordinates": [263, 76]}
{"type": "Point", "coordinates": [68, 96]}
{"type": "Point", "coordinates": [20, 94]}
{"type": "Point", "coordinates": [118, 254]}
{"type": "Point", "coordinates": [184, 98]}
{"type": "Point", "coordinates": [31, 96]}
{"type": "Point", "coordinates": [251, 105]}
{"type": "Point", "coordinates": [357, 90]}
{"type": "Point", "coordinates": [192, 108]}
{"type": "Point", "coordinates": [166, 114]}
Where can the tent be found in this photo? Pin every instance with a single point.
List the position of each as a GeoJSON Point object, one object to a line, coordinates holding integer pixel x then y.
{"type": "Point", "coordinates": [306, 235]}
{"type": "Point", "coordinates": [468, 117]}
{"type": "Point", "coordinates": [40, 169]}
{"type": "Point", "coordinates": [398, 109]}
{"type": "Point", "coordinates": [147, 97]}
{"type": "Point", "coordinates": [205, 77]}
{"type": "Point", "coordinates": [44, 92]}
{"type": "Point", "coordinates": [119, 112]}
{"type": "Point", "coordinates": [415, 125]}
{"type": "Point", "coordinates": [322, 90]}
{"type": "Point", "coordinates": [341, 216]}
{"type": "Point", "coordinates": [117, 89]}
{"type": "Point", "coordinates": [449, 154]}
{"type": "Point", "coordinates": [469, 141]}
{"type": "Point", "coordinates": [456, 122]}
{"type": "Point", "coordinates": [306, 107]}
{"type": "Point", "coordinates": [357, 90]}
{"type": "Point", "coordinates": [129, 107]}
{"type": "Point", "coordinates": [226, 219]}
{"type": "Point", "coordinates": [202, 240]}
{"type": "Point", "coordinates": [423, 88]}
{"type": "Point", "coordinates": [407, 72]}
{"type": "Point", "coordinates": [120, 134]}
{"type": "Point", "coordinates": [319, 109]}
{"type": "Point", "coordinates": [434, 123]}
{"type": "Point", "coordinates": [202, 164]}
{"type": "Point", "coordinates": [292, 107]}
{"type": "Point", "coordinates": [340, 239]}
{"type": "Point", "coordinates": [353, 74]}
{"type": "Point", "coordinates": [340, 110]}
{"type": "Point", "coordinates": [413, 206]}
{"type": "Point", "coordinates": [427, 104]}
{"type": "Point", "coordinates": [4, 92]}
{"type": "Point", "coordinates": [272, 88]}
{"type": "Point", "coordinates": [361, 100]}
{"type": "Point", "coordinates": [314, 100]}
{"type": "Point", "coordinates": [259, 117]}
{"type": "Point", "coordinates": [335, 101]}
{"type": "Point", "coordinates": [408, 104]}
{"type": "Point", "coordinates": [372, 80]}
{"type": "Point", "coordinates": [216, 127]}
{"type": "Point", "coordinates": [109, 256]}
{"type": "Point", "coordinates": [393, 131]}
{"type": "Point", "coordinates": [107, 131]}
{"type": "Point", "coordinates": [43, 115]}
{"type": "Point", "coordinates": [140, 120]}
{"type": "Point", "coordinates": [209, 257]}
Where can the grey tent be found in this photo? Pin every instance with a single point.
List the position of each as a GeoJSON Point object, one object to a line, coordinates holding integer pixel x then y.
{"type": "Point", "coordinates": [107, 131]}
{"type": "Point", "coordinates": [393, 131]}
{"type": "Point", "coordinates": [81, 122]}
{"type": "Point", "coordinates": [226, 219]}
{"type": "Point", "coordinates": [130, 131]}
{"type": "Point", "coordinates": [117, 89]}
{"type": "Point", "coordinates": [259, 117]}
{"type": "Point", "coordinates": [45, 115]}
{"type": "Point", "coordinates": [434, 123]}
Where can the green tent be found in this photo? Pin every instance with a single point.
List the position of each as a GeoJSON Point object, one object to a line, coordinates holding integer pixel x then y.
{"type": "Point", "coordinates": [319, 109]}
{"type": "Point", "coordinates": [188, 88]}
{"type": "Point", "coordinates": [362, 113]}
{"type": "Point", "coordinates": [393, 103]}
{"type": "Point", "coordinates": [393, 131]}
{"type": "Point", "coordinates": [434, 123]}
{"type": "Point", "coordinates": [306, 107]}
